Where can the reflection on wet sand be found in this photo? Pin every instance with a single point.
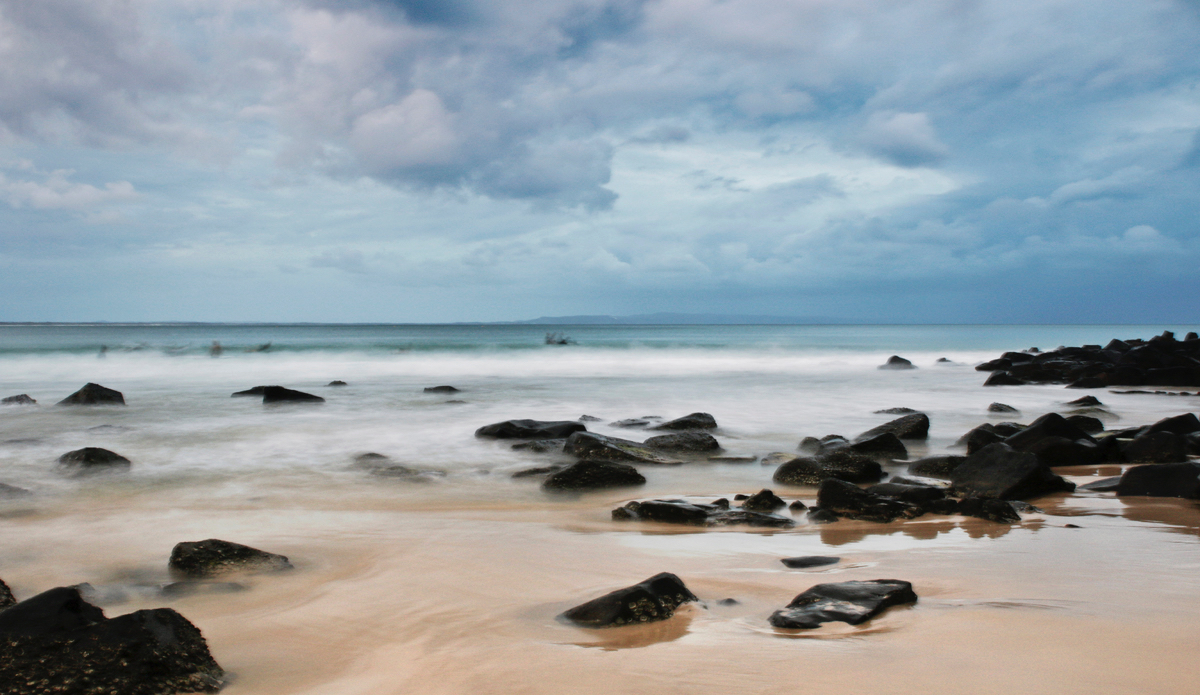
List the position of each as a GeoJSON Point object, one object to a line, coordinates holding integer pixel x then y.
{"type": "Point", "coordinates": [636, 636]}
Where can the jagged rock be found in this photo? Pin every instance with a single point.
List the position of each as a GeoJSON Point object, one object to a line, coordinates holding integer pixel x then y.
{"type": "Point", "coordinates": [913, 494]}
{"type": "Point", "coordinates": [807, 561]}
{"type": "Point", "coordinates": [541, 446]}
{"type": "Point", "coordinates": [882, 446]}
{"type": "Point", "coordinates": [530, 429]}
{"type": "Point", "coordinates": [936, 466]}
{"type": "Point", "coordinates": [93, 459]}
{"type": "Point", "coordinates": [897, 362]}
{"type": "Point", "coordinates": [213, 557]}
{"type": "Point", "coordinates": [279, 394]}
{"type": "Point", "coordinates": [591, 474]}
{"type": "Point", "coordinates": [1156, 447]}
{"type": "Point", "coordinates": [990, 509]}
{"type": "Point", "coordinates": [999, 471]}
{"type": "Point", "coordinates": [1162, 480]}
{"type": "Point", "coordinates": [847, 602]}
{"type": "Point", "coordinates": [588, 445]}
{"type": "Point", "coordinates": [694, 421]}
{"type": "Point", "coordinates": [763, 501]}
{"type": "Point", "coordinates": [914, 426]}
{"type": "Point", "coordinates": [684, 441]}
{"type": "Point", "coordinates": [441, 389]}
{"type": "Point", "coordinates": [336, 382]}
{"type": "Point", "coordinates": [539, 470]}
{"type": "Point", "coordinates": [1001, 408]}
{"type": "Point", "coordinates": [655, 599]}
{"type": "Point", "coordinates": [6, 596]}
{"type": "Point", "coordinates": [1003, 379]}
{"type": "Point", "coordinates": [21, 399]}
{"type": "Point", "coordinates": [852, 502]}
{"type": "Point", "coordinates": [56, 642]}
{"type": "Point", "coordinates": [840, 464]}
{"type": "Point", "coordinates": [895, 411]}
{"type": "Point", "coordinates": [94, 394]}
{"type": "Point", "coordinates": [252, 391]}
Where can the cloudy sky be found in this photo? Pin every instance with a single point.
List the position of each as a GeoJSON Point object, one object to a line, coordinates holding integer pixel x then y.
{"type": "Point", "coordinates": [457, 160]}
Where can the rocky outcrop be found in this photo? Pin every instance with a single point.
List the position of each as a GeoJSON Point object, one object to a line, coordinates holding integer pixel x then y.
{"type": "Point", "coordinates": [336, 382]}
{"type": "Point", "coordinates": [94, 394]}
{"type": "Point", "coordinates": [1160, 361]}
{"type": "Point", "coordinates": [530, 429]}
{"type": "Point", "coordinates": [847, 602]}
{"type": "Point", "coordinates": [213, 557]}
{"type": "Point", "coordinates": [589, 445]}
{"type": "Point", "coordinates": [684, 441]}
{"type": "Point", "coordinates": [1162, 480]}
{"type": "Point", "coordinates": [592, 474]}
{"type": "Point", "coordinates": [655, 599]}
{"type": "Point", "coordinates": [279, 394]}
{"type": "Point", "coordinates": [914, 426]}
{"type": "Point", "coordinates": [841, 464]}
{"type": "Point", "coordinates": [999, 471]}
{"type": "Point", "coordinates": [695, 421]}
{"type": "Point", "coordinates": [92, 459]}
{"type": "Point", "coordinates": [56, 642]}
{"type": "Point", "coordinates": [20, 399]}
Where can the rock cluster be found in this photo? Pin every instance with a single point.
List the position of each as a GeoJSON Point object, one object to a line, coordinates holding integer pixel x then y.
{"type": "Point", "coordinates": [1160, 361]}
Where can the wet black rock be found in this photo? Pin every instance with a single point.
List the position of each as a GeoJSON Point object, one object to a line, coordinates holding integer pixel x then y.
{"type": "Point", "coordinates": [1060, 451]}
{"type": "Point", "coordinates": [1162, 480]}
{"type": "Point", "coordinates": [742, 517]}
{"type": "Point", "coordinates": [589, 445]}
{"type": "Point", "coordinates": [849, 501]}
{"type": "Point", "coordinates": [1001, 408]}
{"type": "Point", "coordinates": [841, 464]}
{"type": "Point", "coordinates": [1179, 424]}
{"type": "Point", "coordinates": [919, 495]}
{"type": "Point", "coordinates": [279, 394]}
{"type": "Point", "coordinates": [539, 470]}
{"type": "Point", "coordinates": [763, 501]}
{"type": "Point", "coordinates": [897, 362]}
{"type": "Point", "coordinates": [847, 602]}
{"type": "Point", "coordinates": [441, 389]}
{"type": "Point", "coordinates": [94, 394]}
{"type": "Point", "coordinates": [696, 514]}
{"type": "Point", "coordinates": [655, 599]}
{"type": "Point", "coordinates": [336, 382]}
{"type": "Point", "coordinates": [695, 421]}
{"type": "Point", "coordinates": [816, 515]}
{"type": "Point", "coordinates": [1003, 379]}
{"type": "Point", "coordinates": [883, 446]}
{"type": "Point", "coordinates": [1102, 485]}
{"type": "Point", "coordinates": [990, 509]}
{"type": "Point", "coordinates": [541, 446]}
{"type": "Point", "coordinates": [1156, 447]}
{"type": "Point", "coordinates": [6, 596]}
{"type": "Point", "coordinates": [1086, 401]}
{"type": "Point", "coordinates": [999, 471]}
{"type": "Point", "coordinates": [193, 588]}
{"type": "Point", "coordinates": [56, 642]}
{"type": "Point", "coordinates": [895, 411]}
{"type": "Point", "coordinates": [636, 422]}
{"type": "Point", "coordinates": [530, 429]}
{"type": "Point", "coordinates": [979, 437]}
{"type": "Point", "coordinates": [1048, 425]}
{"type": "Point", "coordinates": [93, 459]}
{"type": "Point", "coordinates": [594, 475]}
{"type": "Point", "coordinates": [252, 391]}
{"type": "Point", "coordinates": [1160, 361]}
{"type": "Point", "coordinates": [936, 466]}
{"type": "Point", "coordinates": [807, 561]}
{"type": "Point", "coordinates": [684, 441]}
{"type": "Point", "coordinates": [1086, 423]}
{"type": "Point", "coordinates": [914, 426]}
{"type": "Point", "coordinates": [21, 399]}
{"type": "Point", "coordinates": [213, 557]}
{"type": "Point", "coordinates": [797, 505]}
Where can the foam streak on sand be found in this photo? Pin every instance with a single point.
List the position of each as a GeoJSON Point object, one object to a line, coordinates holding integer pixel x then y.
{"type": "Point", "coordinates": [452, 585]}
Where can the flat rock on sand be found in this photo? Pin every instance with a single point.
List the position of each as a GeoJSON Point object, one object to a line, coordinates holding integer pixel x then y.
{"type": "Point", "coordinates": [1162, 480]}
{"type": "Point", "coordinates": [847, 602]}
{"type": "Point", "coordinates": [215, 557]}
{"type": "Point", "coordinates": [649, 601]}
{"type": "Point", "coordinates": [807, 561]}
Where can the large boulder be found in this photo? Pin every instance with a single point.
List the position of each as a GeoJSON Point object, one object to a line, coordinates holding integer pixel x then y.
{"type": "Point", "coordinates": [279, 394]}
{"type": "Point", "coordinates": [1002, 378]}
{"type": "Point", "coordinates": [849, 501]}
{"type": "Point", "coordinates": [92, 459]}
{"type": "Point", "coordinates": [530, 429]}
{"type": "Point", "coordinates": [250, 392]}
{"type": "Point", "coordinates": [213, 557]}
{"type": "Point", "coordinates": [999, 471]}
{"type": "Point", "coordinates": [1156, 447]}
{"type": "Point", "coordinates": [1060, 451]}
{"type": "Point", "coordinates": [882, 446]}
{"type": "Point", "coordinates": [695, 421]}
{"type": "Point", "coordinates": [936, 466]}
{"type": "Point", "coordinates": [684, 441]}
{"type": "Point", "coordinates": [94, 394]}
{"type": "Point", "coordinates": [1162, 480]}
{"type": "Point", "coordinates": [1048, 425]}
{"type": "Point", "coordinates": [655, 599]}
{"type": "Point", "coordinates": [919, 495]}
{"type": "Point", "coordinates": [20, 399]}
{"type": "Point", "coordinates": [841, 464]}
{"type": "Point", "coordinates": [847, 602]}
{"type": "Point", "coordinates": [897, 362]}
{"type": "Point", "coordinates": [56, 642]}
{"type": "Point", "coordinates": [591, 474]}
{"type": "Point", "coordinates": [1180, 424]}
{"type": "Point", "coordinates": [589, 445]}
{"type": "Point", "coordinates": [915, 426]}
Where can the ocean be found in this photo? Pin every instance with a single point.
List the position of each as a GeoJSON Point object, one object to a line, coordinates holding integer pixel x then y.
{"type": "Point", "coordinates": [449, 582]}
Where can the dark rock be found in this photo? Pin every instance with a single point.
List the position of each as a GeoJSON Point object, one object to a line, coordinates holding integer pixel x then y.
{"type": "Point", "coordinates": [212, 557]}
{"type": "Point", "coordinates": [540, 470]}
{"type": "Point", "coordinates": [816, 515]}
{"type": "Point", "coordinates": [1180, 424]}
{"type": "Point", "coordinates": [666, 512]}
{"type": "Point", "coordinates": [895, 411]}
{"type": "Point", "coordinates": [1048, 425]}
{"type": "Point", "coordinates": [1007, 429]}
{"type": "Point", "coordinates": [721, 503]}
{"type": "Point", "coordinates": [253, 391]}
{"type": "Point", "coordinates": [742, 517]}
{"type": "Point", "coordinates": [279, 394]}
{"type": "Point", "coordinates": [945, 506]}
{"type": "Point", "coordinates": [936, 466]}
{"type": "Point", "coordinates": [810, 445]}
{"type": "Point", "coordinates": [847, 602]}
{"type": "Point", "coordinates": [945, 360]}
{"type": "Point", "coordinates": [592, 474]}
{"type": "Point", "coordinates": [336, 382]}
{"type": "Point", "coordinates": [655, 599]}
{"type": "Point", "coordinates": [1191, 335]}
{"type": "Point", "coordinates": [979, 437]}
{"type": "Point", "coordinates": [190, 588]}
{"type": "Point", "coordinates": [1161, 480]}
{"type": "Point", "coordinates": [635, 422]}
{"type": "Point", "coordinates": [441, 389]}
{"type": "Point", "coordinates": [1086, 401]}
{"type": "Point", "coordinates": [56, 642]}
{"type": "Point", "coordinates": [728, 602]}
{"type": "Point", "coordinates": [695, 421]}
{"type": "Point", "coordinates": [995, 365]}
{"type": "Point", "coordinates": [12, 492]}
{"type": "Point", "coordinates": [530, 429]}
{"type": "Point", "coordinates": [1089, 425]}
{"type": "Point", "coordinates": [884, 446]}
{"type": "Point", "coordinates": [1060, 451]}
{"type": "Point", "coordinates": [763, 501]}
{"type": "Point", "coordinates": [541, 446]}
{"type": "Point", "coordinates": [842, 464]}
{"type": "Point", "coordinates": [807, 561]}
{"type": "Point", "coordinates": [913, 494]}
{"type": "Point", "coordinates": [22, 399]}
{"type": "Point", "coordinates": [588, 418]}
{"type": "Point", "coordinates": [920, 481]}
{"type": "Point", "coordinates": [733, 459]}
{"type": "Point", "coordinates": [1157, 447]}
{"type": "Point", "coordinates": [740, 497]}
{"type": "Point", "coordinates": [588, 445]}
{"type": "Point", "coordinates": [1003, 379]}
{"type": "Point", "coordinates": [852, 502]}
{"type": "Point", "coordinates": [94, 394]}
{"type": "Point", "coordinates": [797, 505]}
{"type": "Point", "coordinates": [999, 471]}
{"type": "Point", "coordinates": [684, 441]}
{"type": "Point", "coordinates": [6, 597]}
{"type": "Point", "coordinates": [93, 459]}
{"type": "Point", "coordinates": [1001, 408]}
{"type": "Point", "coordinates": [999, 511]}
{"type": "Point", "coordinates": [897, 362]}
{"type": "Point", "coordinates": [914, 426]}
{"type": "Point", "coordinates": [1103, 485]}
{"type": "Point", "coordinates": [383, 466]}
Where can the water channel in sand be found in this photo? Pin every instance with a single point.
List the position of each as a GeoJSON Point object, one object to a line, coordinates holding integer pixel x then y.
{"type": "Point", "coordinates": [453, 586]}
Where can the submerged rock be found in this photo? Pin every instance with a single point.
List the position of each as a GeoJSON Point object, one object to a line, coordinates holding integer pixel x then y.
{"type": "Point", "coordinates": [20, 399]}
{"type": "Point", "coordinates": [441, 389]}
{"type": "Point", "coordinates": [990, 509]}
{"type": "Point", "coordinates": [847, 602]}
{"type": "Point", "coordinates": [541, 446]}
{"type": "Point", "coordinates": [12, 491]}
{"type": "Point", "coordinates": [589, 445]}
{"type": "Point", "coordinates": [279, 394]}
{"type": "Point", "coordinates": [684, 441]}
{"type": "Point", "coordinates": [897, 362]}
{"type": "Point", "coordinates": [1086, 401]}
{"type": "Point", "coordinates": [895, 411]}
{"type": "Point", "coordinates": [336, 382]}
{"type": "Point", "coordinates": [914, 426]}
{"type": "Point", "coordinates": [252, 391]}
{"type": "Point", "coordinates": [655, 599]}
{"type": "Point", "coordinates": [1001, 408]}
{"type": "Point", "coordinates": [1162, 480]}
{"type": "Point", "coordinates": [56, 642]}
{"type": "Point", "coordinates": [539, 470]}
{"type": "Point", "coordinates": [213, 557]}
{"type": "Point", "coordinates": [530, 429]}
{"type": "Point", "coordinates": [807, 561]}
{"type": "Point", "coordinates": [591, 474]}
{"type": "Point", "coordinates": [92, 459]}
{"type": "Point", "coordinates": [999, 471]}
{"type": "Point", "coordinates": [694, 421]}
{"type": "Point", "coordinates": [636, 422]}
{"type": "Point", "coordinates": [94, 394]}
{"type": "Point", "coordinates": [841, 464]}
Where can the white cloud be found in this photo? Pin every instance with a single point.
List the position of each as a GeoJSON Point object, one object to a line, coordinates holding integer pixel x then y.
{"type": "Point", "coordinates": [56, 192]}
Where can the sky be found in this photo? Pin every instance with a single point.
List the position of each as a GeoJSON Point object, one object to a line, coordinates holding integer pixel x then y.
{"type": "Point", "coordinates": [894, 161]}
